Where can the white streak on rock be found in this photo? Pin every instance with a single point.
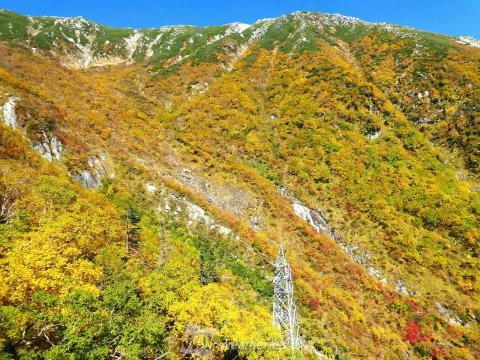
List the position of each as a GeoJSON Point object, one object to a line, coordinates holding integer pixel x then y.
{"type": "Point", "coordinates": [150, 46]}
{"type": "Point", "coordinates": [56, 147]}
{"type": "Point", "coordinates": [450, 315]}
{"type": "Point", "coordinates": [177, 205]}
{"type": "Point", "coordinates": [375, 135]}
{"type": "Point", "coordinates": [9, 116]}
{"type": "Point", "coordinates": [132, 43]}
{"type": "Point", "coordinates": [468, 40]}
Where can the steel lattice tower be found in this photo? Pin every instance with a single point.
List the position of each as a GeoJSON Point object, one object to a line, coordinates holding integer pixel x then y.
{"type": "Point", "coordinates": [284, 309]}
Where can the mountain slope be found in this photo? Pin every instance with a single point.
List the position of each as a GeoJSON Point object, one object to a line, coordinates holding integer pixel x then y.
{"type": "Point", "coordinates": [354, 144]}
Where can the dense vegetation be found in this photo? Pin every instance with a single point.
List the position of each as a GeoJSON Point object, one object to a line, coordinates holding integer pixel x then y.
{"type": "Point", "coordinates": [375, 125]}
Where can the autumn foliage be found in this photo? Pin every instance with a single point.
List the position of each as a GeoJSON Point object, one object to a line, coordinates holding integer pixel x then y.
{"type": "Point", "coordinates": [340, 124]}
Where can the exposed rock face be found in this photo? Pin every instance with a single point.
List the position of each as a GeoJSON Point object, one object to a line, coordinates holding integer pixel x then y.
{"type": "Point", "coordinates": [227, 197]}
{"type": "Point", "coordinates": [468, 40]}
{"type": "Point", "coordinates": [150, 188]}
{"type": "Point", "coordinates": [98, 169]}
{"type": "Point", "coordinates": [88, 180]}
{"type": "Point", "coordinates": [450, 315]}
{"type": "Point", "coordinates": [320, 223]}
{"type": "Point", "coordinates": [50, 147]}
{"type": "Point", "coordinates": [132, 43]}
{"type": "Point", "coordinates": [313, 217]}
{"type": "Point", "coordinates": [178, 205]}
{"type": "Point", "coordinates": [256, 222]}
{"type": "Point", "coordinates": [56, 147]}
{"type": "Point", "coordinates": [8, 110]}
{"type": "Point", "coordinates": [87, 46]}
{"type": "Point", "coordinates": [375, 135]}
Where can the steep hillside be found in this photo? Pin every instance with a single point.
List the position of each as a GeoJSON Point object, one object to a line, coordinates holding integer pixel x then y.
{"type": "Point", "coordinates": [353, 144]}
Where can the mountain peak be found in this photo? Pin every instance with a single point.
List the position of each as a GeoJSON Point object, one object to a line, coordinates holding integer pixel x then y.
{"type": "Point", "coordinates": [468, 40]}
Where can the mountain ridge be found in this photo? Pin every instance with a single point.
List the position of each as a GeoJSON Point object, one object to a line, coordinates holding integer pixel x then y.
{"type": "Point", "coordinates": [109, 46]}
{"type": "Point", "coordinates": [298, 12]}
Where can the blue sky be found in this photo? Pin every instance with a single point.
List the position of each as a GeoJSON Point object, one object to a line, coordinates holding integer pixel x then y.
{"type": "Point", "coordinates": [453, 17]}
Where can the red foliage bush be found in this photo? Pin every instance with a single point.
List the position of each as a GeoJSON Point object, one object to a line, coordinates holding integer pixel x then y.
{"type": "Point", "coordinates": [413, 333]}
{"type": "Point", "coordinates": [314, 303]}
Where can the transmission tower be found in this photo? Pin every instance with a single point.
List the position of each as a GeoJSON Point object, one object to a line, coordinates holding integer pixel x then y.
{"type": "Point", "coordinates": [284, 309]}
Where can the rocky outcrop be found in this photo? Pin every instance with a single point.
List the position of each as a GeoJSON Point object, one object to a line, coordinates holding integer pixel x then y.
{"type": "Point", "coordinates": [227, 197]}
{"type": "Point", "coordinates": [468, 40]}
{"type": "Point", "coordinates": [375, 135]}
{"type": "Point", "coordinates": [8, 111]}
{"type": "Point", "coordinates": [97, 169]}
{"type": "Point", "coordinates": [88, 180]}
{"type": "Point", "coordinates": [177, 206]}
{"type": "Point", "coordinates": [151, 188]}
{"type": "Point", "coordinates": [256, 223]}
{"type": "Point", "coordinates": [50, 147]}
{"type": "Point", "coordinates": [449, 315]}
{"type": "Point", "coordinates": [423, 95]}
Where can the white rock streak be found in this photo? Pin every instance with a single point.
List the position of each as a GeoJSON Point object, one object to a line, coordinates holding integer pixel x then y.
{"type": "Point", "coordinates": [177, 205]}
{"type": "Point", "coordinates": [375, 135]}
{"type": "Point", "coordinates": [132, 43]}
{"type": "Point", "coordinates": [9, 116]}
{"type": "Point", "coordinates": [150, 45]}
{"type": "Point", "coordinates": [468, 40]}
